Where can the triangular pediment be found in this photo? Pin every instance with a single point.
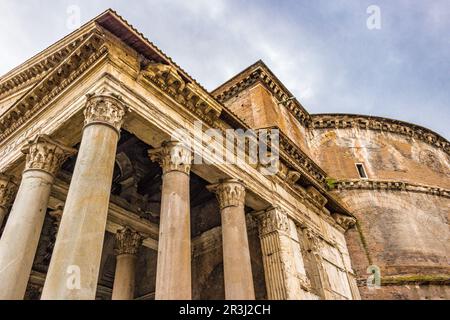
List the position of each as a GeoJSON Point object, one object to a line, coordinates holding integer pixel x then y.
{"type": "Point", "coordinates": [29, 87]}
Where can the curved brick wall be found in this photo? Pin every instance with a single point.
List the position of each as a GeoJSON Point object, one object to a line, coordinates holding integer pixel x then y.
{"type": "Point", "coordinates": [402, 209]}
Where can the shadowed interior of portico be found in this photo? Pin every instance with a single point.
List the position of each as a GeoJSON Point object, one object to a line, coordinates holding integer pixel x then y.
{"type": "Point", "coordinates": [136, 188]}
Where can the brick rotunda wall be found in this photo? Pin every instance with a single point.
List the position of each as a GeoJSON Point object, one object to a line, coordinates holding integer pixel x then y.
{"type": "Point", "coordinates": [402, 207]}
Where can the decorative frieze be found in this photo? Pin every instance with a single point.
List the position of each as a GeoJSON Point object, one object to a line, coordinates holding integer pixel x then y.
{"type": "Point", "coordinates": [316, 195]}
{"type": "Point", "coordinates": [172, 156]}
{"type": "Point", "coordinates": [338, 121]}
{"type": "Point", "coordinates": [186, 93]}
{"type": "Point", "coordinates": [128, 241]}
{"type": "Point", "coordinates": [388, 185]}
{"type": "Point", "coordinates": [273, 220]}
{"type": "Point", "coordinates": [230, 193]}
{"type": "Point", "coordinates": [55, 80]}
{"type": "Point", "coordinates": [43, 153]}
{"type": "Point", "coordinates": [8, 188]}
{"type": "Point", "coordinates": [36, 71]}
{"type": "Point", "coordinates": [314, 240]}
{"type": "Point", "coordinates": [105, 108]}
{"type": "Point", "coordinates": [295, 157]}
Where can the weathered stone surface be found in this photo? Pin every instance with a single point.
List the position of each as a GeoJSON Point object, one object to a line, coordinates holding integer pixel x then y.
{"type": "Point", "coordinates": [329, 226]}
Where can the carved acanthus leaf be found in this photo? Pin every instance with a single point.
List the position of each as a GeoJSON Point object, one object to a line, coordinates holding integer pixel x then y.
{"type": "Point", "coordinates": [128, 241]}
{"type": "Point", "coordinates": [172, 156]}
{"type": "Point", "coordinates": [8, 188]}
{"type": "Point", "coordinates": [106, 108]}
{"type": "Point", "coordinates": [43, 153]}
{"type": "Point", "coordinates": [230, 193]}
{"type": "Point", "coordinates": [272, 220]}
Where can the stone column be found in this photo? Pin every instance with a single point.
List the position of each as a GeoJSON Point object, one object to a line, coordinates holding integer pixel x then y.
{"type": "Point", "coordinates": [237, 266]}
{"type": "Point", "coordinates": [75, 262]}
{"type": "Point", "coordinates": [22, 231]}
{"type": "Point", "coordinates": [7, 191]}
{"type": "Point", "coordinates": [173, 274]}
{"type": "Point", "coordinates": [284, 270]}
{"type": "Point", "coordinates": [128, 242]}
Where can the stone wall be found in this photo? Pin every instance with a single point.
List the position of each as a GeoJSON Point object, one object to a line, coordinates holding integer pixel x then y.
{"type": "Point", "coordinates": [402, 208]}
{"type": "Point", "coordinates": [258, 108]}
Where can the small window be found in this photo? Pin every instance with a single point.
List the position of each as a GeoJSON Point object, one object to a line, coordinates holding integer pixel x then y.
{"type": "Point", "coordinates": [361, 171]}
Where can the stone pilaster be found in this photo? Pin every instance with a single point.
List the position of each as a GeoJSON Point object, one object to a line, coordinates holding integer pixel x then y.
{"type": "Point", "coordinates": [20, 238]}
{"type": "Point", "coordinates": [8, 189]}
{"type": "Point", "coordinates": [314, 246]}
{"type": "Point", "coordinates": [78, 248]}
{"type": "Point", "coordinates": [236, 253]}
{"type": "Point", "coordinates": [283, 264]}
{"type": "Point", "coordinates": [173, 275]}
{"type": "Point", "coordinates": [126, 249]}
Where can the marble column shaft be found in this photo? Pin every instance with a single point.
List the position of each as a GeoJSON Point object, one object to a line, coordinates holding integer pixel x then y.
{"type": "Point", "coordinates": [20, 238]}
{"type": "Point", "coordinates": [173, 275]}
{"type": "Point", "coordinates": [75, 263]}
{"type": "Point", "coordinates": [236, 253]}
{"type": "Point", "coordinates": [127, 246]}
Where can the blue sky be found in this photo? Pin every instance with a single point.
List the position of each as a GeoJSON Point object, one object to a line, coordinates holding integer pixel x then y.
{"type": "Point", "coordinates": [321, 50]}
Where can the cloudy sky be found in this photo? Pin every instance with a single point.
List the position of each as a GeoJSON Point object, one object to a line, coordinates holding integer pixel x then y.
{"type": "Point", "coordinates": [321, 50]}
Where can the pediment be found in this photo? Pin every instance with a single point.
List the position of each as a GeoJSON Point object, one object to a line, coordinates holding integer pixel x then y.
{"type": "Point", "coordinates": [27, 89]}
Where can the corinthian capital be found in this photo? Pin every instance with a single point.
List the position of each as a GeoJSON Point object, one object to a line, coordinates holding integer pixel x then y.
{"type": "Point", "coordinates": [105, 108]}
{"type": "Point", "coordinates": [172, 156]}
{"type": "Point", "coordinates": [128, 241]}
{"type": "Point", "coordinates": [230, 193]}
{"type": "Point", "coordinates": [7, 190]}
{"type": "Point", "coordinates": [43, 153]}
{"type": "Point", "coordinates": [272, 220]}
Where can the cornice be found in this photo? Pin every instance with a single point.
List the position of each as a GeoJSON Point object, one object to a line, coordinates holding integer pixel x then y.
{"type": "Point", "coordinates": [36, 71]}
{"type": "Point", "coordinates": [410, 279]}
{"type": "Point", "coordinates": [388, 185]}
{"type": "Point", "coordinates": [54, 81]}
{"type": "Point", "coordinates": [292, 152]}
{"type": "Point", "coordinates": [295, 165]}
{"type": "Point", "coordinates": [168, 80]}
{"type": "Point", "coordinates": [260, 73]}
{"type": "Point", "coordinates": [348, 121]}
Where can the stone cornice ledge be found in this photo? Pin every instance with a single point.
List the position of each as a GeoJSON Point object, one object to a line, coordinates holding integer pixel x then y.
{"type": "Point", "coordinates": [412, 279]}
{"type": "Point", "coordinates": [53, 83]}
{"type": "Point", "coordinates": [391, 185]}
{"type": "Point", "coordinates": [347, 121]}
{"type": "Point", "coordinates": [260, 73]}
